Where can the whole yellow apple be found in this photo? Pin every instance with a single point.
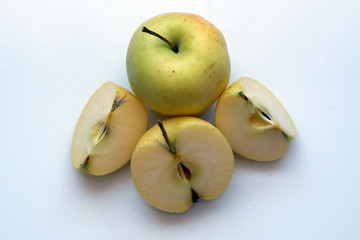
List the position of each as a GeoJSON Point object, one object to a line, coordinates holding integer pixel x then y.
{"type": "Point", "coordinates": [178, 63]}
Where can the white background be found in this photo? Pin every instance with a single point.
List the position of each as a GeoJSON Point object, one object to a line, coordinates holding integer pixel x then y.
{"type": "Point", "coordinates": [55, 54]}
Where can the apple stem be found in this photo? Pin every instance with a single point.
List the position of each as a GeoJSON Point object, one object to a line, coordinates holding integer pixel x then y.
{"type": "Point", "coordinates": [172, 149]}
{"type": "Point", "coordinates": [172, 46]}
{"type": "Point", "coordinates": [118, 102]}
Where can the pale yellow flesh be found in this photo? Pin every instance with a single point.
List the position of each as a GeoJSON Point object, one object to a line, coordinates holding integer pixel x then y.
{"type": "Point", "coordinates": [199, 146]}
{"type": "Point", "coordinates": [262, 98]}
{"type": "Point", "coordinates": [156, 177]}
{"type": "Point", "coordinates": [124, 126]}
{"type": "Point", "coordinates": [249, 133]}
{"type": "Point", "coordinates": [96, 110]}
{"type": "Point", "coordinates": [206, 152]}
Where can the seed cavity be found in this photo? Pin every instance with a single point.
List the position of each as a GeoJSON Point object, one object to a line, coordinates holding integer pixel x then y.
{"type": "Point", "coordinates": [98, 131]}
{"type": "Point", "coordinates": [265, 115]}
{"type": "Point", "coordinates": [261, 119]}
{"type": "Point", "coordinates": [185, 173]}
{"type": "Point", "coordinates": [103, 132]}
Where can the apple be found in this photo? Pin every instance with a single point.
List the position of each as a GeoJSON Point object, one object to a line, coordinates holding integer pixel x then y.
{"type": "Point", "coordinates": [180, 161]}
{"type": "Point", "coordinates": [178, 63]}
{"type": "Point", "coordinates": [108, 129]}
{"type": "Point", "coordinates": [254, 121]}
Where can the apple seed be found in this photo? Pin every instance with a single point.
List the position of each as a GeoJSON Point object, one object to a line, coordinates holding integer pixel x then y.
{"type": "Point", "coordinates": [185, 173]}
{"type": "Point", "coordinates": [265, 115]}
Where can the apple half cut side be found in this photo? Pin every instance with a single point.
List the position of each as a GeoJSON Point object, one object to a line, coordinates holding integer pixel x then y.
{"type": "Point", "coordinates": [196, 162]}
{"type": "Point", "coordinates": [108, 129]}
{"type": "Point", "coordinates": [254, 121]}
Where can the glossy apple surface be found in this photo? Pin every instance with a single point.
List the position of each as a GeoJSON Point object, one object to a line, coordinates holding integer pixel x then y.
{"type": "Point", "coordinates": [182, 83]}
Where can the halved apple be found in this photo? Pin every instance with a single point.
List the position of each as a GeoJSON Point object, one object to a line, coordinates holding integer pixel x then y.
{"type": "Point", "coordinates": [108, 129]}
{"type": "Point", "coordinates": [254, 121]}
{"type": "Point", "coordinates": [183, 160]}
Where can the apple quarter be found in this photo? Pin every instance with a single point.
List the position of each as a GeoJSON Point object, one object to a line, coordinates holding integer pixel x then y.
{"type": "Point", "coordinates": [108, 129]}
{"type": "Point", "coordinates": [254, 121]}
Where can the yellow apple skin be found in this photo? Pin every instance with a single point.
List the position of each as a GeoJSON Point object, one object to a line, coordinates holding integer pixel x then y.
{"type": "Point", "coordinates": [199, 146]}
{"type": "Point", "coordinates": [183, 83]}
{"type": "Point", "coordinates": [251, 134]}
{"type": "Point", "coordinates": [124, 126]}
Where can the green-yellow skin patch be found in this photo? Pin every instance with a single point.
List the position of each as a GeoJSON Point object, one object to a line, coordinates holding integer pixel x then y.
{"type": "Point", "coordinates": [183, 83]}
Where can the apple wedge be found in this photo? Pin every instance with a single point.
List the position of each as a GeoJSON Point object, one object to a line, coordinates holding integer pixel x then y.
{"type": "Point", "coordinates": [180, 161]}
{"type": "Point", "coordinates": [254, 121]}
{"type": "Point", "coordinates": [108, 129]}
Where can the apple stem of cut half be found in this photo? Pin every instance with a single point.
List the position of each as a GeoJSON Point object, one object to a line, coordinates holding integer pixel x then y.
{"type": "Point", "coordinates": [173, 47]}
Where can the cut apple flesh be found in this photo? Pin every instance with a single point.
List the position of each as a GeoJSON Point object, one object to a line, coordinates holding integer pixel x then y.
{"type": "Point", "coordinates": [268, 104]}
{"type": "Point", "coordinates": [202, 166]}
{"type": "Point", "coordinates": [107, 130]}
{"type": "Point", "coordinates": [253, 120]}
